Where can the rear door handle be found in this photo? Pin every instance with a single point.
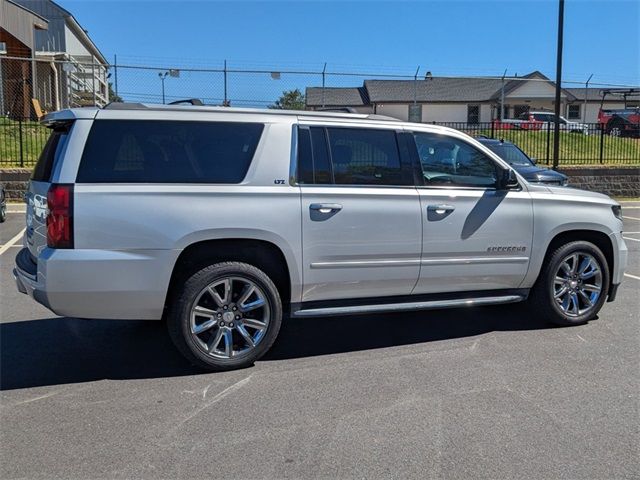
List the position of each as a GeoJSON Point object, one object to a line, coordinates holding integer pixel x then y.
{"type": "Point", "coordinates": [325, 207]}
{"type": "Point", "coordinates": [441, 208]}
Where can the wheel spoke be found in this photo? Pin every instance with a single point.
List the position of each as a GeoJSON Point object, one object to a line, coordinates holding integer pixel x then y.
{"type": "Point", "coordinates": [574, 263]}
{"type": "Point", "coordinates": [560, 279]}
{"type": "Point", "coordinates": [561, 292]}
{"type": "Point", "coordinates": [591, 288]}
{"type": "Point", "coordinates": [221, 300]}
{"type": "Point", "coordinates": [590, 274]}
{"type": "Point", "coordinates": [586, 262]}
{"type": "Point", "coordinates": [247, 337]}
{"type": "Point", "coordinates": [213, 344]}
{"type": "Point", "coordinates": [248, 291]}
{"type": "Point", "coordinates": [259, 302]}
{"type": "Point", "coordinates": [575, 306]}
{"type": "Point", "coordinates": [204, 312]}
{"type": "Point", "coordinates": [203, 327]}
{"type": "Point", "coordinates": [586, 298]}
{"type": "Point", "coordinates": [253, 323]}
{"type": "Point", "coordinates": [228, 343]}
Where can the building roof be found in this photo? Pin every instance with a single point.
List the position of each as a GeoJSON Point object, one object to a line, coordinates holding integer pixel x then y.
{"type": "Point", "coordinates": [437, 89]}
{"type": "Point", "coordinates": [441, 89]}
{"type": "Point", "coordinates": [344, 97]}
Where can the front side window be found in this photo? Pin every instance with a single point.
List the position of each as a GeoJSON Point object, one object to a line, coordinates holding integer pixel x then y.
{"type": "Point", "coordinates": [159, 151]}
{"type": "Point", "coordinates": [448, 162]}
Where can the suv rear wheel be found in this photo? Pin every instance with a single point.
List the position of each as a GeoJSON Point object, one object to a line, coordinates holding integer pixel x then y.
{"type": "Point", "coordinates": [573, 284]}
{"type": "Point", "coordinates": [226, 316]}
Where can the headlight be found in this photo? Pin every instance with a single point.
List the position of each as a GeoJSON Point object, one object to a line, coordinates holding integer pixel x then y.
{"type": "Point", "coordinates": [617, 211]}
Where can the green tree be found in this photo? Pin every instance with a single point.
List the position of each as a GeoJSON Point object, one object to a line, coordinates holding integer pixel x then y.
{"type": "Point", "coordinates": [290, 100]}
{"type": "Point", "coordinates": [112, 95]}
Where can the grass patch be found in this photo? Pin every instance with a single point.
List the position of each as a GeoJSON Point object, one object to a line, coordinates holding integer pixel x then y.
{"type": "Point", "coordinates": [21, 139]}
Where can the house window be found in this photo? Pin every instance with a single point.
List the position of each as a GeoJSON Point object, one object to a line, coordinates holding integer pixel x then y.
{"type": "Point", "coordinates": [519, 110]}
{"type": "Point", "coordinates": [573, 112]}
{"type": "Point", "coordinates": [473, 113]}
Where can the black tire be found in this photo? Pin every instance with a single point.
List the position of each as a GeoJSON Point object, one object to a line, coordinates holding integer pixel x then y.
{"type": "Point", "coordinates": [542, 298]}
{"type": "Point", "coordinates": [179, 316]}
{"type": "Point", "coordinates": [3, 213]}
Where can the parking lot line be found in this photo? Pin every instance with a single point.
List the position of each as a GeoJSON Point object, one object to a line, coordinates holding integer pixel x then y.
{"type": "Point", "coordinates": [631, 218]}
{"type": "Point", "coordinates": [632, 239]}
{"type": "Point", "coordinates": [631, 276]}
{"type": "Point", "coordinates": [11, 242]}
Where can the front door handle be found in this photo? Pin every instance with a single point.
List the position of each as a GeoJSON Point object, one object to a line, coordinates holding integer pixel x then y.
{"type": "Point", "coordinates": [441, 209]}
{"type": "Point", "coordinates": [325, 207]}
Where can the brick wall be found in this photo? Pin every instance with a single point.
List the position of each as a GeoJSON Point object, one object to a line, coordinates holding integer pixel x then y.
{"type": "Point", "coordinates": [15, 182]}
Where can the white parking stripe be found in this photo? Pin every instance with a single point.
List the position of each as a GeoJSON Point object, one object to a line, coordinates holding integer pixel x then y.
{"type": "Point", "coordinates": [631, 276]}
{"type": "Point", "coordinates": [11, 242]}
{"type": "Point", "coordinates": [632, 239]}
{"type": "Point", "coordinates": [631, 218]}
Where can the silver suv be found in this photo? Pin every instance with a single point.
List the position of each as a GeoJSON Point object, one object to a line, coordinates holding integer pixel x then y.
{"type": "Point", "coordinates": [224, 221]}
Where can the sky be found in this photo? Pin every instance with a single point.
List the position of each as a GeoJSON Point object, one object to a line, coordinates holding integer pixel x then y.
{"type": "Point", "coordinates": [466, 38]}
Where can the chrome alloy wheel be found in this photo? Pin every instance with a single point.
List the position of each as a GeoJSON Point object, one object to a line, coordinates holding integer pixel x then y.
{"type": "Point", "coordinates": [229, 317]}
{"type": "Point", "coordinates": [577, 285]}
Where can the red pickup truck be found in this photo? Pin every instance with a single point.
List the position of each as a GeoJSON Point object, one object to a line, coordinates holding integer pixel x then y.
{"type": "Point", "coordinates": [620, 123]}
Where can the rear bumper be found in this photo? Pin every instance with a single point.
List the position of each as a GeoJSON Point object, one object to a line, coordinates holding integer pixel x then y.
{"type": "Point", "coordinates": [99, 283]}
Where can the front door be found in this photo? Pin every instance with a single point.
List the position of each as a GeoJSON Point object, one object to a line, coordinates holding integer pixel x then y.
{"type": "Point", "coordinates": [476, 236]}
{"type": "Point", "coordinates": [361, 215]}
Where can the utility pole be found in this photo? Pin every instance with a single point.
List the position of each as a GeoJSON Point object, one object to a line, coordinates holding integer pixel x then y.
{"type": "Point", "coordinates": [556, 123]}
{"type": "Point", "coordinates": [502, 96]}
{"type": "Point", "coordinates": [586, 92]}
{"type": "Point", "coordinates": [324, 73]}
{"type": "Point", "coordinates": [163, 76]}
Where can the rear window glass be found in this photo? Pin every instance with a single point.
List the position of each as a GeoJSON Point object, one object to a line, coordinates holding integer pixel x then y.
{"type": "Point", "coordinates": [158, 151]}
{"type": "Point", "coordinates": [48, 156]}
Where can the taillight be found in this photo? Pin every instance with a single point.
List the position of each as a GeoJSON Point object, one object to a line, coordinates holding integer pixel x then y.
{"type": "Point", "coordinates": [60, 217]}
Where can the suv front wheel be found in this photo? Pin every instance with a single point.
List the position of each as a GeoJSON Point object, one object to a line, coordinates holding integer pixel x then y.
{"type": "Point", "coordinates": [227, 316]}
{"type": "Point", "coordinates": [573, 284]}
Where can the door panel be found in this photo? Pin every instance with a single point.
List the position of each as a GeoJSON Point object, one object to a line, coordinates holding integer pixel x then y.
{"type": "Point", "coordinates": [474, 239]}
{"type": "Point", "coordinates": [360, 241]}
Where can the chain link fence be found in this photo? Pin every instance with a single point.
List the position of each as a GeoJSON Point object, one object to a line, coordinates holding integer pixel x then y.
{"type": "Point", "coordinates": [31, 87]}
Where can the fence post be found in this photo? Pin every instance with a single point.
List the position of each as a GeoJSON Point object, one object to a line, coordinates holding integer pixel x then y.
{"type": "Point", "coordinates": [548, 139]}
{"type": "Point", "coordinates": [601, 143]}
{"type": "Point", "coordinates": [493, 126]}
{"type": "Point", "coordinates": [225, 103]}
{"type": "Point", "coordinates": [115, 72]}
{"type": "Point", "coordinates": [20, 140]}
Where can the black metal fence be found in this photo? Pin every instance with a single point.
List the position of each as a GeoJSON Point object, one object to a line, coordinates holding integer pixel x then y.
{"type": "Point", "coordinates": [21, 142]}
{"type": "Point", "coordinates": [584, 144]}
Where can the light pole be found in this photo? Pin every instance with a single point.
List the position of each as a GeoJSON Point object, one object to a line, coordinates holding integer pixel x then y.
{"type": "Point", "coordinates": [163, 76]}
{"type": "Point", "coordinates": [556, 123]}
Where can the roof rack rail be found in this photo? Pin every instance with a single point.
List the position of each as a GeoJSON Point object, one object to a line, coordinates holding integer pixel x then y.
{"type": "Point", "coordinates": [125, 106]}
{"type": "Point", "coordinates": [188, 101]}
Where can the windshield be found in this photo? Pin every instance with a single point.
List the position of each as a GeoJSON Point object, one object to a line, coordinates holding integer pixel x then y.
{"type": "Point", "coordinates": [511, 154]}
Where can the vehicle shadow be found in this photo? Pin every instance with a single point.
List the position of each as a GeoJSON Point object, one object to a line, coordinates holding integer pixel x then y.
{"type": "Point", "coordinates": [57, 351]}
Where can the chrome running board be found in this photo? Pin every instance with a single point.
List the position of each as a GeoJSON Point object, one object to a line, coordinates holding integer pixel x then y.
{"type": "Point", "coordinates": [409, 306]}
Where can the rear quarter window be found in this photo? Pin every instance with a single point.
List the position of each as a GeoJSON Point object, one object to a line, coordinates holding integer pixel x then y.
{"type": "Point", "coordinates": [159, 151]}
{"type": "Point", "coordinates": [50, 154]}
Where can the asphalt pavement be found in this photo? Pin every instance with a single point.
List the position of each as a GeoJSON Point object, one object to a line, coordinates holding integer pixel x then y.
{"type": "Point", "coordinates": [490, 392]}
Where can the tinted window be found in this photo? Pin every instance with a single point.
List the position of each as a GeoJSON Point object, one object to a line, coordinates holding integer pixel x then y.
{"type": "Point", "coordinates": [48, 156]}
{"type": "Point", "coordinates": [321, 164]}
{"type": "Point", "coordinates": [448, 161]}
{"type": "Point", "coordinates": [152, 151]}
{"type": "Point", "coordinates": [473, 113]}
{"type": "Point", "coordinates": [305, 158]}
{"type": "Point", "coordinates": [511, 154]}
{"type": "Point", "coordinates": [366, 157]}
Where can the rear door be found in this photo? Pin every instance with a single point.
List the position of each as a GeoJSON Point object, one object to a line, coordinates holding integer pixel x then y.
{"type": "Point", "coordinates": [361, 222]}
{"type": "Point", "coordinates": [36, 196]}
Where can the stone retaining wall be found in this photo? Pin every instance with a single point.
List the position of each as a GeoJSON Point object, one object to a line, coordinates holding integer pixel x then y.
{"type": "Point", "coordinates": [616, 182]}
{"type": "Point", "coordinates": [15, 181]}
{"type": "Point", "coordinates": [612, 181]}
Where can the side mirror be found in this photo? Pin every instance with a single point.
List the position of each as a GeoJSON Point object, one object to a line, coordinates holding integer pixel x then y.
{"type": "Point", "coordinates": [507, 180]}
{"type": "Point", "coordinates": [533, 160]}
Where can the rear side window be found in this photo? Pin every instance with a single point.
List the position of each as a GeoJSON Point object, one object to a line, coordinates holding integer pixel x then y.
{"type": "Point", "coordinates": [158, 151]}
{"type": "Point", "coordinates": [49, 155]}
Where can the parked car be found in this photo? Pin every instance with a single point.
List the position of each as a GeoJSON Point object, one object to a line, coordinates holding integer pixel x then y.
{"type": "Point", "coordinates": [522, 163]}
{"type": "Point", "coordinates": [226, 221]}
{"type": "Point", "coordinates": [540, 121]}
{"type": "Point", "coordinates": [3, 204]}
{"type": "Point", "coordinates": [620, 123]}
